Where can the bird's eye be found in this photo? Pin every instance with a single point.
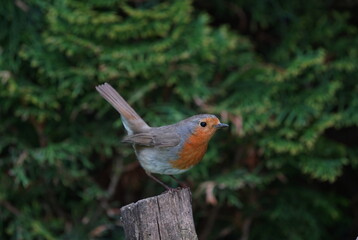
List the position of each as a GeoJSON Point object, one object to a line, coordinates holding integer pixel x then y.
{"type": "Point", "coordinates": [203, 124]}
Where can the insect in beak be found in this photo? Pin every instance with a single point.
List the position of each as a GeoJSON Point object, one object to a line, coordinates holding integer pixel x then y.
{"type": "Point", "coordinates": [221, 125]}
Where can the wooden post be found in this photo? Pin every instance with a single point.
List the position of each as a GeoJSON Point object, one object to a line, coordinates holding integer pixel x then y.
{"type": "Point", "coordinates": [164, 217]}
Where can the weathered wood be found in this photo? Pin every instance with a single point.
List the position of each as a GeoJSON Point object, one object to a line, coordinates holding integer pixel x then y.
{"type": "Point", "coordinates": [164, 217]}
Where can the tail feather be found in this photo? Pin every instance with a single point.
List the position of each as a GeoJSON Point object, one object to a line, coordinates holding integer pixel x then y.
{"type": "Point", "coordinates": [131, 120]}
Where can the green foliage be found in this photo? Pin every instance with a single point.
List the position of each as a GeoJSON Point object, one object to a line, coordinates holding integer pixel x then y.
{"type": "Point", "coordinates": [298, 213]}
{"type": "Point", "coordinates": [288, 89]}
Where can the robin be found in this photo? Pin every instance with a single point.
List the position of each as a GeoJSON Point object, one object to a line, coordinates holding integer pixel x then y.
{"type": "Point", "coordinates": [170, 149]}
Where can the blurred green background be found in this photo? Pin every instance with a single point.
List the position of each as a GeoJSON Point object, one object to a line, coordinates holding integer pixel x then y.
{"type": "Point", "coordinates": [283, 74]}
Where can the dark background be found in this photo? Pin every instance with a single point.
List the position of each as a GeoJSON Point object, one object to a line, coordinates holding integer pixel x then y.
{"type": "Point", "coordinates": [283, 74]}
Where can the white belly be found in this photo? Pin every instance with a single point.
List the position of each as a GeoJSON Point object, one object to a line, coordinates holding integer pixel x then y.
{"type": "Point", "coordinates": [157, 160]}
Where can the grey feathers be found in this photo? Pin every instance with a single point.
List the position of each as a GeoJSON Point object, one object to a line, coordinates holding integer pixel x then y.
{"type": "Point", "coordinates": [153, 140]}
{"type": "Point", "coordinates": [131, 120]}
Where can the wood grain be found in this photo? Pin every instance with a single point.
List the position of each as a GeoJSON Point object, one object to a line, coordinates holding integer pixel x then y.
{"type": "Point", "coordinates": [164, 217]}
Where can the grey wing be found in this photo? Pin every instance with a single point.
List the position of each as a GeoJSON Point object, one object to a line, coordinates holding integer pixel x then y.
{"type": "Point", "coordinates": [153, 140]}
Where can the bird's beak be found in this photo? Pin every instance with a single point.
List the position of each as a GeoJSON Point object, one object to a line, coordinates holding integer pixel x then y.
{"type": "Point", "coordinates": [221, 125]}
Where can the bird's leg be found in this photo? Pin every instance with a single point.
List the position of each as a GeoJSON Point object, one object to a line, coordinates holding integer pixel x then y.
{"type": "Point", "coordinates": [158, 181]}
{"type": "Point", "coordinates": [182, 184]}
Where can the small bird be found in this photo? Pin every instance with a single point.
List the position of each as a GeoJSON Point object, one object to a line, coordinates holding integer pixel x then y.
{"type": "Point", "coordinates": [170, 149]}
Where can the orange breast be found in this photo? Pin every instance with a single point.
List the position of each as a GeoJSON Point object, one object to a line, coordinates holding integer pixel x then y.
{"type": "Point", "coordinates": [192, 152]}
